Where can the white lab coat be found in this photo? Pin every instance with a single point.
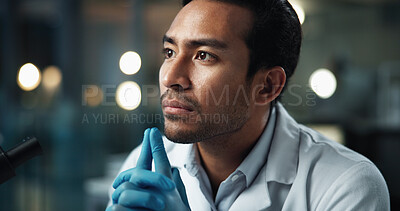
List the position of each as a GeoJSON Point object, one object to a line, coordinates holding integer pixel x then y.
{"type": "Point", "coordinates": [304, 171]}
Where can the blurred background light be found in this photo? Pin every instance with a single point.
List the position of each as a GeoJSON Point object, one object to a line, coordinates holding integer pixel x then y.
{"type": "Point", "coordinates": [130, 63]}
{"type": "Point", "coordinates": [128, 95]}
{"type": "Point", "coordinates": [51, 77]}
{"type": "Point", "coordinates": [323, 83]}
{"type": "Point", "coordinates": [93, 95]}
{"type": "Point", "coordinates": [299, 10]}
{"type": "Point", "coordinates": [28, 77]}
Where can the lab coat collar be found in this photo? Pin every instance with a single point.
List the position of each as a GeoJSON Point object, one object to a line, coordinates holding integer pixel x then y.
{"type": "Point", "coordinates": [256, 159]}
{"type": "Point", "coordinates": [284, 153]}
{"type": "Point", "coordinates": [256, 197]}
{"type": "Point", "coordinates": [192, 161]}
{"type": "Point", "coordinates": [281, 164]}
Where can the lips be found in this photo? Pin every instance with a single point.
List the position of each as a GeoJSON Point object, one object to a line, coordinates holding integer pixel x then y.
{"type": "Point", "coordinates": [175, 107]}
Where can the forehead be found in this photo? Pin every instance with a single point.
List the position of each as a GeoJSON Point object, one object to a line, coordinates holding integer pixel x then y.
{"type": "Point", "coordinates": [211, 19]}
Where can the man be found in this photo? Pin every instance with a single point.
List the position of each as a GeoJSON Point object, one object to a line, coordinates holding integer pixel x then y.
{"type": "Point", "coordinates": [229, 60]}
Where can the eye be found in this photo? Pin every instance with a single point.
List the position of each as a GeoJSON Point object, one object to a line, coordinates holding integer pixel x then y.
{"type": "Point", "coordinates": [168, 53]}
{"type": "Point", "coordinates": [204, 56]}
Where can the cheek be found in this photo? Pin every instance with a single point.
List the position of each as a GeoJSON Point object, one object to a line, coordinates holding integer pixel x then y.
{"type": "Point", "coordinates": [218, 90]}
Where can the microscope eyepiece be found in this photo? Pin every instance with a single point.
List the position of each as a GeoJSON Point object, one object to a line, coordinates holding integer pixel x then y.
{"type": "Point", "coordinates": [11, 159]}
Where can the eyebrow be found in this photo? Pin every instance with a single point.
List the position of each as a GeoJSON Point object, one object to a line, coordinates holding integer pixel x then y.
{"type": "Point", "coordinates": [199, 42]}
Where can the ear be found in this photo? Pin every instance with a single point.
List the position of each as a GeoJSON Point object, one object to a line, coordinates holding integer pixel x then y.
{"type": "Point", "coordinates": [268, 84]}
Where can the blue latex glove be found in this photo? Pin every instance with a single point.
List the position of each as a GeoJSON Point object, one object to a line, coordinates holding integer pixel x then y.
{"type": "Point", "coordinates": [141, 189]}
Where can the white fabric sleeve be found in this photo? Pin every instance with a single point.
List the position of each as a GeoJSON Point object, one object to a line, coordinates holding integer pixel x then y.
{"type": "Point", "coordinates": [361, 187]}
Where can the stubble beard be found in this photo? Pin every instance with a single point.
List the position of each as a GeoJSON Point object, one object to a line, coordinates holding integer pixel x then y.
{"type": "Point", "coordinates": [207, 126]}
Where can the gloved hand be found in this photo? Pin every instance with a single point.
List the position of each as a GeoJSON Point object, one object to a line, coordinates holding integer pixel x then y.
{"type": "Point", "coordinates": [141, 189]}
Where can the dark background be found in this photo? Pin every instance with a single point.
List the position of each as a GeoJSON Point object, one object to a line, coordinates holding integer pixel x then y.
{"type": "Point", "coordinates": [358, 40]}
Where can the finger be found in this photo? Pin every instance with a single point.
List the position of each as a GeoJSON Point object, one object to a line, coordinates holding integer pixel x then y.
{"type": "Point", "coordinates": [123, 187]}
{"type": "Point", "coordinates": [117, 207]}
{"type": "Point", "coordinates": [144, 179]}
{"type": "Point", "coordinates": [144, 160]}
{"type": "Point", "coordinates": [141, 199]}
{"type": "Point", "coordinates": [180, 186]}
{"type": "Point", "coordinates": [161, 161]}
{"type": "Point", "coordinates": [122, 177]}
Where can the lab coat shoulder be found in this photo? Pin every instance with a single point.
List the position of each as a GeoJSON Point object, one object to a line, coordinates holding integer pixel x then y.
{"type": "Point", "coordinates": [337, 178]}
{"type": "Point", "coordinates": [321, 174]}
{"type": "Point", "coordinates": [361, 187]}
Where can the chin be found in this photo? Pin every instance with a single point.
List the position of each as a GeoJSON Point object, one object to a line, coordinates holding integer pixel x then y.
{"type": "Point", "coordinates": [180, 132]}
{"type": "Point", "coordinates": [199, 128]}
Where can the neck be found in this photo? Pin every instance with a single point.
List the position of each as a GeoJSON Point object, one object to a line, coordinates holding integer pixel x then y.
{"type": "Point", "coordinates": [222, 155]}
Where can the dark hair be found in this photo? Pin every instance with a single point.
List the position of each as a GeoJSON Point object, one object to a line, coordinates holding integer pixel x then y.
{"type": "Point", "coordinates": [275, 37]}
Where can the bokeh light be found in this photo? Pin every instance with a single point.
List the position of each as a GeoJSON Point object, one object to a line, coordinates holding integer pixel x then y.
{"type": "Point", "coordinates": [323, 83]}
{"type": "Point", "coordinates": [28, 77]}
{"type": "Point", "coordinates": [51, 77]}
{"type": "Point", "coordinates": [130, 63]}
{"type": "Point", "coordinates": [128, 95]}
{"type": "Point", "coordinates": [93, 95]}
{"type": "Point", "coordinates": [299, 10]}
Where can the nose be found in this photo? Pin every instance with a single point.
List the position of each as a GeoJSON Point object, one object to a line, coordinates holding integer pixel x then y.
{"type": "Point", "coordinates": [174, 74]}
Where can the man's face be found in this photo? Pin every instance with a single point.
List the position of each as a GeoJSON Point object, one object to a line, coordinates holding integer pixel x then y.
{"type": "Point", "coordinates": [203, 85]}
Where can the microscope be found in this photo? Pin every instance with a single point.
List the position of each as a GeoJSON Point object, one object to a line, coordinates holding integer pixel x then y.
{"type": "Point", "coordinates": [11, 159]}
